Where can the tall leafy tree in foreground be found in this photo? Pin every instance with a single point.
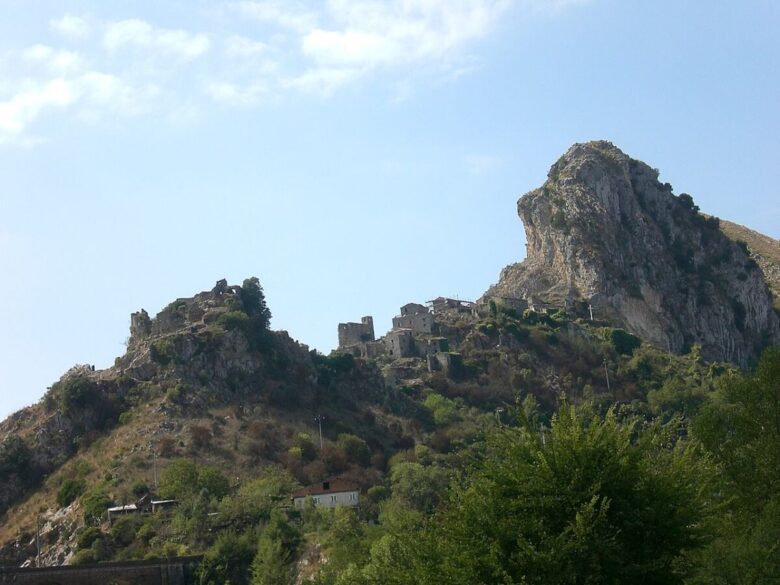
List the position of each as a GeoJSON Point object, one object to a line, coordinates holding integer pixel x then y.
{"type": "Point", "coordinates": [274, 562]}
{"type": "Point", "coordinates": [597, 500]}
{"type": "Point", "coordinates": [740, 426]}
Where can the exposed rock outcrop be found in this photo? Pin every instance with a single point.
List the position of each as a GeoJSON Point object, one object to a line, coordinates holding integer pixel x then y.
{"type": "Point", "coordinates": [603, 230]}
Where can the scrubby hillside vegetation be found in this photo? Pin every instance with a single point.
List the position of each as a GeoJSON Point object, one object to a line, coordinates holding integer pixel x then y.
{"type": "Point", "coordinates": [572, 427]}
{"type": "Point", "coordinates": [554, 448]}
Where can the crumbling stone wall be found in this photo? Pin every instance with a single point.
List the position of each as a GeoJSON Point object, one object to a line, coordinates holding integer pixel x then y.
{"type": "Point", "coordinates": [356, 333]}
{"type": "Point", "coordinates": [400, 343]}
{"type": "Point", "coordinates": [417, 322]}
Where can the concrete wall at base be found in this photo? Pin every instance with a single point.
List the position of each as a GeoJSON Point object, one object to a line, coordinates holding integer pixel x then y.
{"type": "Point", "coordinates": [174, 571]}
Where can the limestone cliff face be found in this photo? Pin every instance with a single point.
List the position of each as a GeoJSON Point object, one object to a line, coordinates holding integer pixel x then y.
{"type": "Point", "coordinates": [603, 230]}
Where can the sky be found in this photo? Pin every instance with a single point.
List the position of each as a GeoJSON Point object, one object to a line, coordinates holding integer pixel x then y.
{"type": "Point", "coordinates": [354, 155]}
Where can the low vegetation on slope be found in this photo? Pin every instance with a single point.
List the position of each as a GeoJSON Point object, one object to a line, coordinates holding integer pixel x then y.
{"type": "Point", "coordinates": [219, 414]}
{"type": "Point", "coordinates": [764, 250]}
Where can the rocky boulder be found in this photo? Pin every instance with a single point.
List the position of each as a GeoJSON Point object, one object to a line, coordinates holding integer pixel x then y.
{"type": "Point", "coordinates": [603, 231]}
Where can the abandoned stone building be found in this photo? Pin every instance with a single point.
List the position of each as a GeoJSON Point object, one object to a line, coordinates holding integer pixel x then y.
{"type": "Point", "coordinates": [356, 333]}
{"type": "Point", "coordinates": [195, 312]}
{"type": "Point", "coordinates": [518, 305]}
{"type": "Point", "coordinates": [538, 305]}
{"type": "Point", "coordinates": [400, 343]}
{"type": "Point", "coordinates": [415, 317]}
{"type": "Point", "coordinates": [442, 304]}
{"type": "Point", "coordinates": [413, 334]}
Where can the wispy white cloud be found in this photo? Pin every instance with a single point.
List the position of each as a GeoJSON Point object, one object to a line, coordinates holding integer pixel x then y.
{"type": "Point", "coordinates": [239, 46]}
{"type": "Point", "coordinates": [287, 14]}
{"type": "Point", "coordinates": [479, 164]}
{"type": "Point", "coordinates": [264, 50]}
{"type": "Point", "coordinates": [140, 34]}
{"type": "Point", "coordinates": [346, 40]}
{"type": "Point", "coordinates": [322, 81]}
{"type": "Point", "coordinates": [17, 112]}
{"type": "Point", "coordinates": [233, 94]}
{"type": "Point", "coordinates": [54, 61]}
{"type": "Point", "coordinates": [371, 33]}
{"type": "Point", "coordinates": [64, 83]}
{"type": "Point", "coordinates": [73, 27]}
{"type": "Point", "coordinates": [551, 6]}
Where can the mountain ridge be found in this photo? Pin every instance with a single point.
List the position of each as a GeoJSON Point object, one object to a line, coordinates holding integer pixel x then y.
{"type": "Point", "coordinates": [206, 379]}
{"type": "Point", "coordinates": [603, 231]}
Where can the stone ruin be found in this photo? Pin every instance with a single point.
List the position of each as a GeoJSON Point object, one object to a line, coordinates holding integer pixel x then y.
{"type": "Point", "coordinates": [413, 334]}
{"type": "Point", "coordinates": [195, 312]}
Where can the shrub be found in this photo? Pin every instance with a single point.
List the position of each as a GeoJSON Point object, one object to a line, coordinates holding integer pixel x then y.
{"type": "Point", "coordinates": [355, 449]}
{"type": "Point", "coordinates": [140, 489]}
{"type": "Point", "coordinates": [200, 436]}
{"type": "Point", "coordinates": [87, 536]}
{"type": "Point", "coordinates": [95, 502]}
{"type": "Point", "coordinates": [124, 529]}
{"type": "Point", "coordinates": [211, 479]}
{"type": "Point", "coordinates": [227, 561]}
{"type": "Point", "coordinates": [178, 479]}
{"type": "Point", "coordinates": [163, 351]}
{"type": "Point", "coordinates": [303, 442]}
{"type": "Point", "coordinates": [76, 393]}
{"type": "Point", "coordinates": [69, 491]}
{"type": "Point", "coordinates": [167, 446]}
{"type": "Point", "coordinates": [233, 320]}
{"type": "Point", "coordinates": [444, 410]}
{"type": "Point", "coordinates": [623, 342]}
{"type": "Point", "coordinates": [14, 457]}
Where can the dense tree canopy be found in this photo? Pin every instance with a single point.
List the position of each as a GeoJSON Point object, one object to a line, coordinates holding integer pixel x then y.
{"type": "Point", "coordinates": [598, 501]}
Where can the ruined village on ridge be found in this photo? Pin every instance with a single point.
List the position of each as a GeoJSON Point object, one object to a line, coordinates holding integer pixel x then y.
{"type": "Point", "coordinates": [416, 331]}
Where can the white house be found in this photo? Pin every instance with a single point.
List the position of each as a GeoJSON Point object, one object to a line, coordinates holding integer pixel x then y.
{"type": "Point", "coordinates": [329, 494]}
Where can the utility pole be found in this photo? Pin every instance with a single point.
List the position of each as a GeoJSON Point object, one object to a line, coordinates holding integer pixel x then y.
{"type": "Point", "coordinates": [590, 309]}
{"type": "Point", "coordinates": [319, 418]}
{"type": "Point", "coordinates": [38, 541]}
{"type": "Point", "coordinates": [606, 373]}
{"type": "Point", "coordinates": [154, 466]}
{"type": "Point", "coordinates": [544, 440]}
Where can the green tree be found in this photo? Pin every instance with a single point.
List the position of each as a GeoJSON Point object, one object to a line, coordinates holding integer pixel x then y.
{"type": "Point", "coordinates": [444, 410]}
{"type": "Point", "coordinates": [256, 499]}
{"type": "Point", "coordinates": [213, 481]}
{"type": "Point", "coordinates": [420, 487]}
{"type": "Point", "coordinates": [599, 501]}
{"type": "Point", "coordinates": [740, 425]}
{"type": "Point", "coordinates": [355, 449]}
{"type": "Point", "coordinates": [94, 503]}
{"type": "Point", "coordinates": [70, 490]}
{"type": "Point", "coordinates": [179, 479]}
{"type": "Point", "coordinates": [253, 298]}
{"type": "Point", "coordinates": [279, 542]}
{"type": "Point", "coordinates": [227, 561]}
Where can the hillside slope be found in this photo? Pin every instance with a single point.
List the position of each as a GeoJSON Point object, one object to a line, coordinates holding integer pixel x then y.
{"type": "Point", "coordinates": [206, 380]}
{"type": "Point", "coordinates": [603, 231]}
{"type": "Point", "coordinates": [763, 249]}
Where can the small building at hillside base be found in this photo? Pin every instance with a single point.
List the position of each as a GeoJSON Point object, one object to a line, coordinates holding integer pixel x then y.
{"type": "Point", "coordinates": [328, 494]}
{"type": "Point", "coordinates": [145, 505]}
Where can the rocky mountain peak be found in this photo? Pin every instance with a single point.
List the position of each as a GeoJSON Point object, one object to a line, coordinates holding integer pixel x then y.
{"type": "Point", "coordinates": [603, 231]}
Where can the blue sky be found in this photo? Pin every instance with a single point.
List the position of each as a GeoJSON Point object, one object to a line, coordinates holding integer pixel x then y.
{"type": "Point", "coordinates": [354, 155]}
